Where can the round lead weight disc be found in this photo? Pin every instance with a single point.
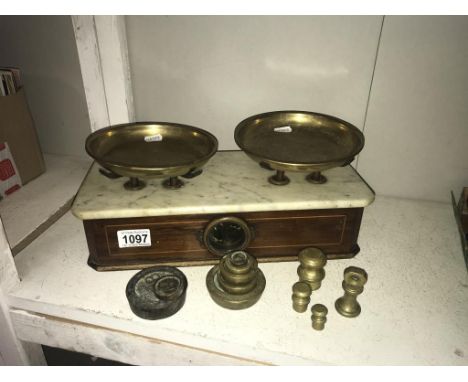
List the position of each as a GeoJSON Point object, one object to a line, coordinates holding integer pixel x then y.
{"type": "Point", "coordinates": [157, 292]}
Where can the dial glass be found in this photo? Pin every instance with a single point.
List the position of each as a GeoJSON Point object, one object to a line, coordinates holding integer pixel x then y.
{"type": "Point", "coordinates": [227, 236]}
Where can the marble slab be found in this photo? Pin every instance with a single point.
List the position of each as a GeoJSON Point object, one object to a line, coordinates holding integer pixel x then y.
{"type": "Point", "coordinates": [231, 182]}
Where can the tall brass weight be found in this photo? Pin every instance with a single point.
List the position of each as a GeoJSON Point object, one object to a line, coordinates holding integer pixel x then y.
{"type": "Point", "coordinates": [353, 284]}
{"type": "Point", "coordinates": [311, 271]}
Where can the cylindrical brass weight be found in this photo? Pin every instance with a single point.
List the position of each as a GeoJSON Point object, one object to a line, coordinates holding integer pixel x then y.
{"type": "Point", "coordinates": [311, 271]}
{"type": "Point", "coordinates": [236, 283]}
{"type": "Point", "coordinates": [319, 316]}
{"type": "Point", "coordinates": [353, 284]}
{"type": "Point", "coordinates": [301, 292]}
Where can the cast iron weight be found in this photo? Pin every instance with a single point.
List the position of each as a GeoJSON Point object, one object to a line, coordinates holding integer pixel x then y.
{"type": "Point", "coordinates": [157, 292]}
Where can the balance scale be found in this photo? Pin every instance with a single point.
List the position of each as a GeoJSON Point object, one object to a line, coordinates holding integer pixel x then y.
{"type": "Point", "coordinates": [229, 207]}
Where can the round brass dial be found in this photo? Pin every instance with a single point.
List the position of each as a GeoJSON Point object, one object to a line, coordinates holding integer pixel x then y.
{"type": "Point", "coordinates": [227, 234]}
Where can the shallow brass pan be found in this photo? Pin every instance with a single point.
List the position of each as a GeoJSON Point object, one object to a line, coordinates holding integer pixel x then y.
{"type": "Point", "coordinates": [298, 141]}
{"type": "Point", "coordinates": [151, 149]}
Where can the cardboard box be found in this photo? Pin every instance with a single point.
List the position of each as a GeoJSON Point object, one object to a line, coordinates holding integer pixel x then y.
{"type": "Point", "coordinates": [18, 132]}
{"type": "Point", "coordinates": [9, 178]}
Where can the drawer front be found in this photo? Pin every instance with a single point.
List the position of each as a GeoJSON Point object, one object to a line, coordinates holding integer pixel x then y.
{"type": "Point", "coordinates": [178, 240]}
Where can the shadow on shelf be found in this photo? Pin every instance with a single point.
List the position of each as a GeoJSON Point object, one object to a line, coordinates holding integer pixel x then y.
{"type": "Point", "coordinates": [60, 357]}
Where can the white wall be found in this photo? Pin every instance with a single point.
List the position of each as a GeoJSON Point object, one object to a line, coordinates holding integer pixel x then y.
{"type": "Point", "coordinates": [417, 124]}
{"type": "Point", "coordinates": [44, 48]}
{"type": "Point", "coordinates": [212, 72]}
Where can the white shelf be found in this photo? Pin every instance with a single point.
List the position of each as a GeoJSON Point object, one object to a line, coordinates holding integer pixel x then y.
{"type": "Point", "coordinates": [414, 306]}
{"type": "Point", "coordinates": [29, 211]}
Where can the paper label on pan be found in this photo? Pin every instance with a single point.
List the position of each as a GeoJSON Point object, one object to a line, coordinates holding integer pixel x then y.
{"type": "Point", "coordinates": [153, 138]}
{"type": "Point", "coordinates": [134, 238]}
{"type": "Point", "coordinates": [283, 129]}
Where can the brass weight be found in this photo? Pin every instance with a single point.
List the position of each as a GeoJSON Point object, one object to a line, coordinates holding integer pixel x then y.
{"type": "Point", "coordinates": [301, 292]}
{"type": "Point", "coordinates": [319, 316]}
{"type": "Point", "coordinates": [311, 271]}
{"type": "Point", "coordinates": [236, 282]}
{"type": "Point", "coordinates": [353, 284]}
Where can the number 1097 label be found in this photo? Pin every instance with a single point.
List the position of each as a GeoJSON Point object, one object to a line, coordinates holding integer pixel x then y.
{"type": "Point", "coordinates": [134, 238]}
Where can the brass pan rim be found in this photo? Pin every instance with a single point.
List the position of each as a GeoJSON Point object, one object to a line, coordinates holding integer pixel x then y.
{"type": "Point", "coordinates": [301, 165]}
{"type": "Point", "coordinates": [126, 169]}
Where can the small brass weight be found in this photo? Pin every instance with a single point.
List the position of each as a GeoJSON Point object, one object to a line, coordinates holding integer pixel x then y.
{"type": "Point", "coordinates": [319, 316]}
{"type": "Point", "coordinates": [311, 271]}
{"type": "Point", "coordinates": [301, 292]}
{"type": "Point", "coordinates": [353, 284]}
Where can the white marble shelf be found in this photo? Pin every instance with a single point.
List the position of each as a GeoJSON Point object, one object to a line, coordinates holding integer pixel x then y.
{"type": "Point", "coordinates": [414, 307]}
{"type": "Point", "coordinates": [231, 182]}
{"type": "Point", "coordinates": [26, 213]}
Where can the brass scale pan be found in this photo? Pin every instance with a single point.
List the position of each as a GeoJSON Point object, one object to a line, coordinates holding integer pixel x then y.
{"type": "Point", "coordinates": [298, 141]}
{"type": "Point", "coordinates": [281, 140]}
{"type": "Point", "coordinates": [151, 150]}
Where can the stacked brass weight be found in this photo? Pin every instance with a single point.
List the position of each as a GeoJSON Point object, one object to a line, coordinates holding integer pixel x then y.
{"type": "Point", "coordinates": [353, 284]}
{"type": "Point", "coordinates": [237, 282]}
{"type": "Point", "coordinates": [301, 292]}
{"type": "Point", "coordinates": [311, 271]}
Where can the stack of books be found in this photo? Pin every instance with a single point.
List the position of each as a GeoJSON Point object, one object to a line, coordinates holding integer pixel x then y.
{"type": "Point", "coordinates": [10, 81]}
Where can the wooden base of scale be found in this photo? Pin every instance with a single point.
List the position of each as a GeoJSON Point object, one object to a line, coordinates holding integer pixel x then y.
{"type": "Point", "coordinates": [178, 240]}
